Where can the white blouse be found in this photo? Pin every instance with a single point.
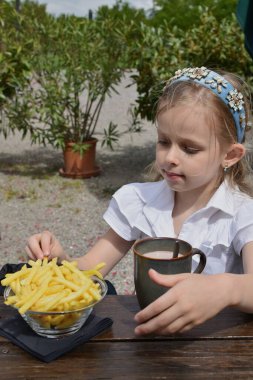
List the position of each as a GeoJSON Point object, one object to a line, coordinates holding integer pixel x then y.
{"type": "Point", "coordinates": [220, 229]}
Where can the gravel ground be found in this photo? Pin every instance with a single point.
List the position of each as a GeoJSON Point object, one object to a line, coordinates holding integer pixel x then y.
{"type": "Point", "coordinates": [34, 197]}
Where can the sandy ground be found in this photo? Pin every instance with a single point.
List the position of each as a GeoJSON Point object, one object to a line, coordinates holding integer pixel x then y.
{"type": "Point", "coordinates": [34, 197]}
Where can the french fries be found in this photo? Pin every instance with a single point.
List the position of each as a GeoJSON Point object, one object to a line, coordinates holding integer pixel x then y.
{"type": "Point", "coordinates": [47, 287]}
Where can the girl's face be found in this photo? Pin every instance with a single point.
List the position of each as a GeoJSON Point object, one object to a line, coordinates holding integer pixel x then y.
{"type": "Point", "coordinates": [188, 153]}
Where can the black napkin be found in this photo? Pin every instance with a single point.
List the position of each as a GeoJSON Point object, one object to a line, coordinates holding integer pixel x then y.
{"type": "Point", "coordinates": [47, 349]}
{"type": "Point", "coordinates": [8, 268]}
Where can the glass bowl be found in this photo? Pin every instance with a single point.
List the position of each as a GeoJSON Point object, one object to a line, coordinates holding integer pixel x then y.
{"type": "Point", "coordinates": [59, 324]}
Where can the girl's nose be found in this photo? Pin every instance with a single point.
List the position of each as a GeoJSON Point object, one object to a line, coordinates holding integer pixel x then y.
{"type": "Point", "coordinates": [172, 156]}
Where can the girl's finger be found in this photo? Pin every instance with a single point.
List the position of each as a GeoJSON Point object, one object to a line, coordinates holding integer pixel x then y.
{"type": "Point", "coordinates": [46, 240]}
{"type": "Point", "coordinates": [34, 246]}
{"type": "Point", "coordinates": [177, 326]}
{"type": "Point", "coordinates": [187, 327]}
{"type": "Point", "coordinates": [30, 254]}
{"type": "Point", "coordinates": [167, 280]}
{"type": "Point", "coordinates": [159, 322]}
{"type": "Point", "coordinates": [155, 308]}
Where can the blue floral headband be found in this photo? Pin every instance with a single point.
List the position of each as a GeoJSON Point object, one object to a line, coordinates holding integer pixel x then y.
{"type": "Point", "coordinates": [220, 87]}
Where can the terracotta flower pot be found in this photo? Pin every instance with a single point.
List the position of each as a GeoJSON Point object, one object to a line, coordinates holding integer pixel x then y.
{"type": "Point", "coordinates": [80, 166]}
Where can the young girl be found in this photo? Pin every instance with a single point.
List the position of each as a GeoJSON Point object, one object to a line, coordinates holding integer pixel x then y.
{"type": "Point", "coordinates": [203, 198]}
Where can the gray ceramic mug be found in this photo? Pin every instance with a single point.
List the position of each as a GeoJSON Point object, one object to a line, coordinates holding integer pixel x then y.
{"type": "Point", "coordinates": [166, 256]}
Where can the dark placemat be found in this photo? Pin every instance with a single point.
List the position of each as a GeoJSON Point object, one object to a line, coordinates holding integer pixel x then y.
{"type": "Point", "coordinates": [18, 332]}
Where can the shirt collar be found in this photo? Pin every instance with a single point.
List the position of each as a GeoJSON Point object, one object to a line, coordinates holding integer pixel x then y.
{"type": "Point", "coordinates": [223, 199]}
{"type": "Point", "coordinates": [162, 198]}
{"type": "Point", "coordinates": [159, 205]}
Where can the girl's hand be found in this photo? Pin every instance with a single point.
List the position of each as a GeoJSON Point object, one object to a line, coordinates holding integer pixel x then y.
{"type": "Point", "coordinates": [191, 300]}
{"type": "Point", "coordinates": [43, 245]}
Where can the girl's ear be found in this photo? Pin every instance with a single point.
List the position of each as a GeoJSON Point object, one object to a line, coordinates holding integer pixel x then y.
{"type": "Point", "coordinates": [234, 154]}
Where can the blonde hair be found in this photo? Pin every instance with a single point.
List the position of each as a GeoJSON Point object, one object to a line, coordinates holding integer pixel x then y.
{"type": "Point", "coordinates": [221, 119]}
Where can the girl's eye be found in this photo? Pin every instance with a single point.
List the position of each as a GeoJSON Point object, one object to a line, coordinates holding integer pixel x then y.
{"type": "Point", "coordinates": [190, 150]}
{"type": "Point", "coordinates": [162, 142]}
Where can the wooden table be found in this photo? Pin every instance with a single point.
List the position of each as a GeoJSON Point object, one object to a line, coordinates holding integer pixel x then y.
{"type": "Point", "coordinates": [222, 348]}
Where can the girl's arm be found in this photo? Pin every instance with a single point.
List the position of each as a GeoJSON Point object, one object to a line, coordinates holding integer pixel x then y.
{"type": "Point", "coordinates": [109, 249]}
{"type": "Point", "coordinates": [243, 284]}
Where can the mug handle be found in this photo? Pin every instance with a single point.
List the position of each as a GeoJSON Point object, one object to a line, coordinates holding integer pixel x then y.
{"type": "Point", "coordinates": [202, 261]}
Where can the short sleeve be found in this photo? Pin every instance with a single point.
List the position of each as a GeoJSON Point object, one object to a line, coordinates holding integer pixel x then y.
{"type": "Point", "coordinates": [243, 227]}
{"type": "Point", "coordinates": [119, 223]}
{"type": "Point", "coordinates": [123, 210]}
{"type": "Point", "coordinates": [140, 210]}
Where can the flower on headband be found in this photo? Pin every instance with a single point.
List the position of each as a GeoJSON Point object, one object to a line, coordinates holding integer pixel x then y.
{"type": "Point", "coordinates": [197, 73]}
{"type": "Point", "coordinates": [217, 83]}
{"type": "Point", "coordinates": [193, 73]}
{"type": "Point", "coordinates": [179, 73]}
{"type": "Point", "coordinates": [242, 120]}
{"type": "Point", "coordinates": [235, 100]}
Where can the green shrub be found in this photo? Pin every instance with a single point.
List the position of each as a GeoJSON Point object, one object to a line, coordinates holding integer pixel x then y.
{"type": "Point", "coordinates": [164, 49]}
{"type": "Point", "coordinates": [187, 13]}
{"type": "Point", "coordinates": [14, 65]}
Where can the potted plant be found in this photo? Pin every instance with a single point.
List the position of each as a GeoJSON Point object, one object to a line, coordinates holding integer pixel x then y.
{"type": "Point", "coordinates": [77, 65]}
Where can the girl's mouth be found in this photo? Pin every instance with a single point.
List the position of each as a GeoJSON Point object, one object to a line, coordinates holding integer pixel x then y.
{"type": "Point", "coordinates": [172, 176]}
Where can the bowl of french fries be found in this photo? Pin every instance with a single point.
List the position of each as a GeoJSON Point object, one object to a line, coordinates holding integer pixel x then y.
{"type": "Point", "coordinates": [55, 300]}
